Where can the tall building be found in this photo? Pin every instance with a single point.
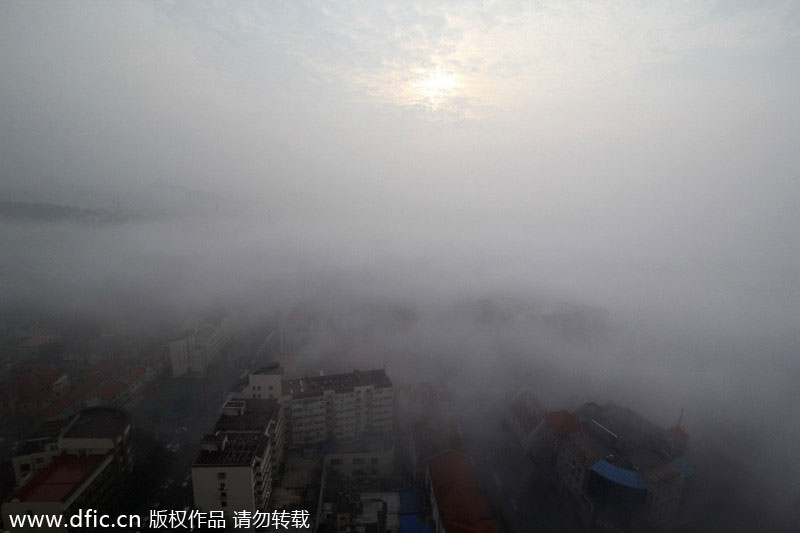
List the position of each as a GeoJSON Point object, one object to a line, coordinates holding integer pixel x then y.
{"type": "Point", "coordinates": [234, 467]}
{"type": "Point", "coordinates": [339, 407]}
{"type": "Point", "coordinates": [72, 466]}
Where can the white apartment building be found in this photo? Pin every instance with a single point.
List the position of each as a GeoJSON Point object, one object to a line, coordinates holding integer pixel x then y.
{"type": "Point", "coordinates": [199, 348]}
{"type": "Point", "coordinates": [233, 469]}
{"type": "Point", "coordinates": [263, 384]}
{"type": "Point", "coordinates": [339, 407]}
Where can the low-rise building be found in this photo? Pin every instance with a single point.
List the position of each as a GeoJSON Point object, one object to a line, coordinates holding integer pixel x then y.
{"type": "Point", "coordinates": [457, 503]}
{"type": "Point", "coordinates": [200, 347]}
{"type": "Point", "coordinates": [93, 456]}
{"type": "Point", "coordinates": [625, 472]}
{"type": "Point", "coordinates": [132, 383]}
{"type": "Point", "coordinates": [32, 391]}
{"type": "Point", "coordinates": [38, 451]}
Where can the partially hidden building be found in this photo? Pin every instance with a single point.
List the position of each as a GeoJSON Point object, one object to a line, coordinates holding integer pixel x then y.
{"type": "Point", "coordinates": [72, 465]}
{"type": "Point", "coordinates": [624, 472]}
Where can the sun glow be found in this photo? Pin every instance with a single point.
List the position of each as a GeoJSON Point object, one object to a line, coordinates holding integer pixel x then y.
{"type": "Point", "coordinates": [436, 89]}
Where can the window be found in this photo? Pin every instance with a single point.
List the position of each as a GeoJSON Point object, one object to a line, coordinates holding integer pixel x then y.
{"type": "Point", "coordinates": [374, 460]}
{"type": "Point", "coordinates": [220, 475]}
{"type": "Point", "coordinates": [336, 462]}
{"type": "Point", "coordinates": [358, 461]}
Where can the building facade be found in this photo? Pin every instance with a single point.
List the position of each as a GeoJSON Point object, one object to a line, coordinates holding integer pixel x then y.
{"type": "Point", "coordinates": [201, 347]}
{"type": "Point", "coordinates": [340, 407]}
{"type": "Point", "coordinates": [234, 467]}
{"type": "Point", "coordinates": [79, 465]}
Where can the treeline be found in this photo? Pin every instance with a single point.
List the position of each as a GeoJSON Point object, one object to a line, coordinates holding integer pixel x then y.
{"type": "Point", "coordinates": [49, 213]}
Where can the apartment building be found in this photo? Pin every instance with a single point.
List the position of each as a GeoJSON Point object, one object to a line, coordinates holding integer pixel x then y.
{"type": "Point", "coordinates": [339, 407]}
{"type": "Point", "coordinates": [263, 384]}
{"type": "Point", "coordinates": [200, 347]}
{"type": "Point", "coordinates": [38, 451]}
{"type": "Point", "coordinates": [234, 467]}
{"type": "Point", "coordinates": [73, 466]}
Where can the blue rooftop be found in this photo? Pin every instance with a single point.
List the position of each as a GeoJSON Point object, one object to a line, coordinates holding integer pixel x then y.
{"type": "Point", "coordinates": [621, 476]}
{"type": "Point", "coordinates": [409, 523]}
{"type": "Point", "coordinates": [409, 502]}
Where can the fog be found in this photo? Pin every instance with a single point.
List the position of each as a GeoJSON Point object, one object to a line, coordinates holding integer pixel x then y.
{"type": "Point", "coordinates": [633, 162]}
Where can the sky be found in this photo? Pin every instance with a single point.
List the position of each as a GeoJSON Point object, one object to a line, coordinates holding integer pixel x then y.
{"type": "Point", "coordinates": [633, 152]}
{"type": "Point", "coordinates": [635, 156]}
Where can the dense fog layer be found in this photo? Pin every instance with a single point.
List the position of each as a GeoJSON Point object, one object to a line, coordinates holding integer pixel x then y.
{"type": "Point", "coordinates": [628, 169]}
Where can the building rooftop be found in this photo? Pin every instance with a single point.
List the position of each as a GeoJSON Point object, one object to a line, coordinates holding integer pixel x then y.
{"type": "Point", "coordinates": [461, 504]}
{"type": "Point", "coordinates": [562, 422]}
{"type": "Point", "coordinates": [273, 368]}
{"type": "Point", "coordinates": [35, 385]}
{"type": "Point", "coordinates": [110, 390]}
{"type": "Point", "coordinates": [47, 432]}
{"type": "Point", "coordinates": [59, 479]}
{"type": "Point", "coordinates": [99, 422]}
{"type": "Point", "coordinates": [238, 438]}
{"type": "Point", "coordinates": [632, 451]}
{"type": "Point", "coordinates": [317, 385]}
{"type": "Point", "coordinates": [256, 416]}
{"type": "Point", "coordinates": [97, 374]}
{"type": "Point", "coordinates": [235, 448]}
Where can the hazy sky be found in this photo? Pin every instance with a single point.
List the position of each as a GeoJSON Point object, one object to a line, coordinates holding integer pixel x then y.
{"type": "Point", "coordinates": [618, 151]}
{"type": "Point", "coordinates": [637, 156]}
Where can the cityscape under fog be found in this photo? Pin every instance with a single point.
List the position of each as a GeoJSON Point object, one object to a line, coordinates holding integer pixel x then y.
{"type": "Point", "coordinates": [403, 267]}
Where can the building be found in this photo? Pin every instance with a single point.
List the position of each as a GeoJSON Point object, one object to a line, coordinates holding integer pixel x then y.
{"type": "Point", "coordinates": [38, 451]}
{"type": "Point", "coordinates": [76, 466]}
{"type": "Point", "coordinates": [97, 377]}
{"type": "Point", "coordinates": [339, 407]}
{"type": "Point", "coordinates": [524, 415]}
{"type": "Point", "coordinates": [132, 383]}
{"type": "Point", "coordinates": [200, 347]}
{"type": "Point", "coordinates": [264, 383]}
{"type": "Point", "coordinates": [32, 391]}
{"type": "Point", "coordinates": [625, 472]}
{"type": "Point", "coordinates": [295, 331]}
{"type": "Point", "coordinates": [373, 459]}
{"type": "Point", "coordinates": [457, 503]}
{"type": "Point", "coordinates": [233, 469]}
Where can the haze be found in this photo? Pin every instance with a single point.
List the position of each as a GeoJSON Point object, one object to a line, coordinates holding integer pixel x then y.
{"type": "Point", "coordinates": [636, 158]}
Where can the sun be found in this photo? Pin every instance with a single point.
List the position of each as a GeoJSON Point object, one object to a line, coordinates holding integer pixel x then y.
{"type": "Point", "coordinates": [436, 89]}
